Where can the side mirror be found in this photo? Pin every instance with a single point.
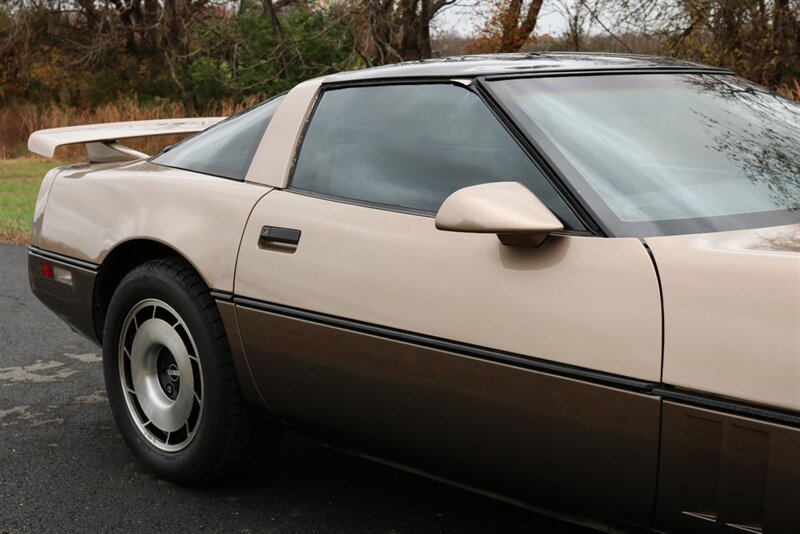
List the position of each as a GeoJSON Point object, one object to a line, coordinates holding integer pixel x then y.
{"type": "Point", "coordinates": [507, 209]}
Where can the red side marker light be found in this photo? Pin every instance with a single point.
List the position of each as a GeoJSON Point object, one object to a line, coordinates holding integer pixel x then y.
{"type": "Point", "coordinates": [47, 270]}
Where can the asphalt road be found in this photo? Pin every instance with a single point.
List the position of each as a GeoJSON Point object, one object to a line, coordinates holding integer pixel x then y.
{"type": "Point", "coordinates": [63, 467]}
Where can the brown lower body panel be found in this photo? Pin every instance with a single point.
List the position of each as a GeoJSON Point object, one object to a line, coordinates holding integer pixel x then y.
{"type": "Point", "coordinates": [245, 377]}
{"type": "Point", "coordinates": [522, 433]}
{"type": "Point", "coordinates": [71, 302]}
{"type": "Point", "coordinates": [726, 473]}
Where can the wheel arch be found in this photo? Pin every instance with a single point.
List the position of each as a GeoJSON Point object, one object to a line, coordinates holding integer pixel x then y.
{"type": "Point", "coordinates": [119, 261]}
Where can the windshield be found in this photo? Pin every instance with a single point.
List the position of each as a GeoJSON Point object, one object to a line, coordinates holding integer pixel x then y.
{"type": "Point", "coordinates": [667, 153]}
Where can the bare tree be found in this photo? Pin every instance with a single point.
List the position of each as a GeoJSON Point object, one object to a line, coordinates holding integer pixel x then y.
{"type": "Point", "coordinates": [578, 21]}
{"type": "Point", "coordinates": [517, 23]}
{"type": "Point", "coordinates": [509, 26]}
{"type": "Point", "coordinates": [388, 31]}
{"type": "Point", "coordinates": [270, 11]}
{"type": "Point", "coordinates": [757, 38]}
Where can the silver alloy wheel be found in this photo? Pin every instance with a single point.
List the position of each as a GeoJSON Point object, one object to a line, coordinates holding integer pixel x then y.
{"type": "Point", "coordinates": [161, 376]}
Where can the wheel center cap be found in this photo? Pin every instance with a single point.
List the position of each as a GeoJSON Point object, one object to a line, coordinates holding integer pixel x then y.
{"type": "Point", "coordinates": [173, 372]}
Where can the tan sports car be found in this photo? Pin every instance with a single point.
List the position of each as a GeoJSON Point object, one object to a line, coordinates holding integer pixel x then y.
{"type": "Point", "coordinates": [570, 281]}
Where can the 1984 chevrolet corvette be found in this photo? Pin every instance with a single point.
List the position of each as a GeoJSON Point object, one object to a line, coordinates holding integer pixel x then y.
{"type": "Point", "coordinates": [572, 281]}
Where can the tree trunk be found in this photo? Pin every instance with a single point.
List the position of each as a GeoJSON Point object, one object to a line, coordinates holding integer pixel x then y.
{"type": "Point", "coordinates": [283, 44]}
{"type": "Point", "coordinates": [424, 30]}
{"type": "Point", "coordinates": [516, 28]}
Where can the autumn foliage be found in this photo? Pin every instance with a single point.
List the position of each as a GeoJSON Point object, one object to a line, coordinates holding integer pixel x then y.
{"type": "Point", "coordinates": [509, 26]}
{"type": "Point", "coordinates": [75, 61]}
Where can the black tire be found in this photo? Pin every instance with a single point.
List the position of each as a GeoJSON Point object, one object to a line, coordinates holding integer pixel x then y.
{"type": "Point", "coordinates": [149, 387]}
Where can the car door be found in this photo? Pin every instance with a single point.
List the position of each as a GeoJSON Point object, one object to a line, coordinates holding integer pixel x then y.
{"type": "Point", "coordinates": [497, 365]}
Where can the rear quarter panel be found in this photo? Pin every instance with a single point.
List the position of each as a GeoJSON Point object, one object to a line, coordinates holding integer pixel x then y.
{"type": "Point", "coordinates": [93, 209]}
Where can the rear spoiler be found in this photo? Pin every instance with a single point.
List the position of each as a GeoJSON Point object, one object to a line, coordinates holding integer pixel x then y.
{"type": "Point", "coordinates": [101, 139]}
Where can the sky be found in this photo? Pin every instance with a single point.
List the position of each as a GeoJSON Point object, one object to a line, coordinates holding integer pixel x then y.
{"type": "Point", "coordinates": [463, 18]}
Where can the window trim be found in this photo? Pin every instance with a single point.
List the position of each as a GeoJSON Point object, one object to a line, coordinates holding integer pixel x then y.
{"type": "Point", "coordinates": [362, 203]}
{"type": "Point", "coordinates": [516, 134]}
{"type": "Point", "coordinates": [557, 178]}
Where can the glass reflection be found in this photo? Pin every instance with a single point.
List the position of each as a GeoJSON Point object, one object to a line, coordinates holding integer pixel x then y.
{"type": "Point", "coordinates": [712, 152]}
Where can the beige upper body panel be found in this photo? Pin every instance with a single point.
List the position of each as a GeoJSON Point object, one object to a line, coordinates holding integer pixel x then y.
{"type": "Point", "coordinates": [93, 209]}
{"type": "Point", "coordinates": [584, 301]}
{"type": "Point", "coordinates": [274, 156]}
{"type": "Point", "coordinates": [732, 313]}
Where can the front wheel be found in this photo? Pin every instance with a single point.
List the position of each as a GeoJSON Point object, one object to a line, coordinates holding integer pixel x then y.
{"type": "Point", "coordinates": [170, 378]}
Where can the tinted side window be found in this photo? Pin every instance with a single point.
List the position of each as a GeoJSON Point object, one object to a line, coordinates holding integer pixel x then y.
{"type": "Point", "coordinates": [226, 148]}
{"type": "Point", "coordinates": [411, 146]}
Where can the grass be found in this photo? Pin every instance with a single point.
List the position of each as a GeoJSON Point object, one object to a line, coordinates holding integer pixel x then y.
{"type": "Point", "coordinates": [790, 90]}
{"type": "Point", "coordinates": [19, 186]}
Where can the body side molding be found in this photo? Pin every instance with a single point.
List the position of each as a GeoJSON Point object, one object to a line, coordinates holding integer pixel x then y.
{"type": "Point", "coordinates": [72, 262]}
{"type": "Point", "coordinates": [483, 353]}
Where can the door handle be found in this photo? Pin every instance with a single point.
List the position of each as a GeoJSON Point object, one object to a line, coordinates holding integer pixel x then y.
{"type": "Point", "coordinates": [284, 236]}
{"type": "Point", "coordinates": [273, 237]}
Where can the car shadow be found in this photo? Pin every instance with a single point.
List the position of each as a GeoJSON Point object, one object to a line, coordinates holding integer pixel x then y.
{"type": "Point", "coordinates": [303, 479]}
